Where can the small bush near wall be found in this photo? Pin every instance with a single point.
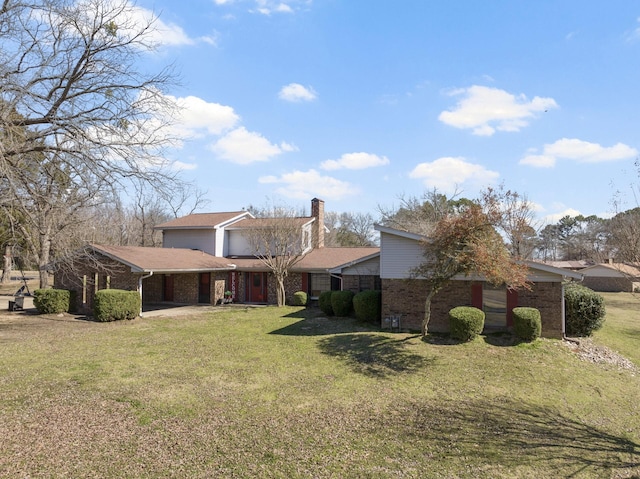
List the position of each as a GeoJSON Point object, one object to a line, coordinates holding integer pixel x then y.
{"type": "Point", "coordinates": [527, 323]}
{"type": "Point", "coordinates": [466, 322]}
{"type": "Point", "coordinates": [116, 304]}
{"type": "Point", "coordinates": [584, 310]}
{"type": "Point", "coordinates": [51, 301]}
{"type": "Point", "coordinates": [368, 306]}
{"type": "Point", "coordinates": [299, 298]}
{"type": "Point", "coordinates": [342, 303]}
{"type": "Point", "coordinates": [324, 302]}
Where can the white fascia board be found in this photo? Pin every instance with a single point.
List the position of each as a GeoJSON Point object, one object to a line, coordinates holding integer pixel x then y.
{"type": "Point", "coordinates": [393, 231]}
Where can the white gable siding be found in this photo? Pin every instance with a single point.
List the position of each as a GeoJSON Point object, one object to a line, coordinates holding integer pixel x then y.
{"type": "Point", "coordinates": [201, 239]}
{"type": "Point", "coordinates": [237, 244]}
{"type": "Point", "coordinates": [369, 267]}
{"type": "Point", "coordinates": [398, 255]}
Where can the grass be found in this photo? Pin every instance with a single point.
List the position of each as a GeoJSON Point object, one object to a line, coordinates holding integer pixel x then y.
{"type": "Point", "coordinates": [272, 393]}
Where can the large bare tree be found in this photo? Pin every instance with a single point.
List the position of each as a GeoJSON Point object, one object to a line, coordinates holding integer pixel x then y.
{"type": "Point", "coordinates": [277, 238]}
{"type": "Point", "coordinates": [77, 116]}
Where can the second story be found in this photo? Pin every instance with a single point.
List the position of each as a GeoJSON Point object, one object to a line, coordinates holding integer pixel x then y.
{"type": "Point", "coordinates": [232, 234]}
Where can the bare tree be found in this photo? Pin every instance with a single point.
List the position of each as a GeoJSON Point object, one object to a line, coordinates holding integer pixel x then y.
{"type": "Point", "coordinates": [277, 238]}
{"type": "Point", "coordinates": [76, 114]}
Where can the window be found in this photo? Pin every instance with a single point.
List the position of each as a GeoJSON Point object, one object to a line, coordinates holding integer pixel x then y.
{"type": "Point", "coordinates": [494, 305]}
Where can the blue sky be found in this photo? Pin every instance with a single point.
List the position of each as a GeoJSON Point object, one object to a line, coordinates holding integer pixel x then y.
{"type": "Point", "coordinates": [360, 102]}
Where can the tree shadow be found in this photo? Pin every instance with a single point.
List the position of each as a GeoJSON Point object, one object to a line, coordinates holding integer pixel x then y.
{"type": "Point", "coordinates": [376, 355]}
{"type": "Point", "coordinates": [514, 433]}
{"type": "Point", "coordinates": [315, 323]}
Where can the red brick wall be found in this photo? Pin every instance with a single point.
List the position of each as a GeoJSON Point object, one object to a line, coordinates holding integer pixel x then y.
{"type": "Point", "coordinates": [407, 298]}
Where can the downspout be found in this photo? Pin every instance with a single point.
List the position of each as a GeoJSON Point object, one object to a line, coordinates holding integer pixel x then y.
{"type": "Point", "coordinates": [140, 288]}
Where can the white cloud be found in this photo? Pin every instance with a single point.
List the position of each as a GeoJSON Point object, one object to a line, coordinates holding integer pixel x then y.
{"type": "Point", "coordinates": [306, 184]}
{"type": "Point", "coordinates": [181, 166]}
{"type": "Point", "coordinates": [553, 218]}
{"type": "Point", "coordinates": [196, 117]}
{"type": "Point", "coordinates": [448, 173]}
{"type": "Point", "coordinates": [579, 151]}
{"type": "Point", "coordinates": [485, 110]}
{"type": "Point", "coordinates": [267, 7]}
{"type": "Point", "coordinates": [355, 161]}
{"type": "Point", "coordinates": [294, 92]}
{"type": "Point", "coordinates": [244, 147]}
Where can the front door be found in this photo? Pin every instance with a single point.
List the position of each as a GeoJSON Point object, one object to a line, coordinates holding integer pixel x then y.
{"type": "Point", "coordinates": [167, 287]}
{"type": "Point", "coordinates": [257, 288]}
{"type": "Point", "coordinates": [204, 289]}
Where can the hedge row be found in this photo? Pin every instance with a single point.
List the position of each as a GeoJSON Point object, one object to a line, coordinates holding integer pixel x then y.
{"type": "Point", "coordinates": [366, 305]}
{"type": "Point", "coordinates": [108, 305]}
{"type": "Point", "coordinates": [584, 310]}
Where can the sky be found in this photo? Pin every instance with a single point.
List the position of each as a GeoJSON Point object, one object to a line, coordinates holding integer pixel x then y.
{"type": "Point", "coordinates": [363, 102]}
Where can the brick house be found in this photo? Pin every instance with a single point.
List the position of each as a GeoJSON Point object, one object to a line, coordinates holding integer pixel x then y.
{"type": "Point", "coordinates": [206, 254]}
{"type": "Point", "coordinates": [404, 296]}
{"type": "Point", "coordinates": [612, 277]}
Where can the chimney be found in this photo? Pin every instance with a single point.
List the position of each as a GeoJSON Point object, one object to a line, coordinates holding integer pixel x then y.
{"type": "Point", "coordinates": [317, 211]}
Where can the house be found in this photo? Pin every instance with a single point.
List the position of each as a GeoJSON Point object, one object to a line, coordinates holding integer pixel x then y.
{"type": "Point", "coordinates": [205, 255]}
{"type": "Point", "coordinates": [404, 296]}
{"type": "Point", "coordinates": [612, 277]}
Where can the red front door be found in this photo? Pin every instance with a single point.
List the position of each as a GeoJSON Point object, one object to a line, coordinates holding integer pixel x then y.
{"type": "Point", "coordinates": [167, 287]}
{"type": "Point", "coordinates": [257, 287]}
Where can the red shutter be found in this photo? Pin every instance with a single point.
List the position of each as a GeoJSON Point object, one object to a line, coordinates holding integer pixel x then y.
{"type": "Point", "coordinates": [305, 282]}
{"type": "Point", "coordinates": [476, 295]}
{"type": "Point", "coordinates": [512, 302]}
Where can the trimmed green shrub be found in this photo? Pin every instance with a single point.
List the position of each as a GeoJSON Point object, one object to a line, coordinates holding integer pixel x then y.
{"type": "Point", "coordinates": [299, 298]}
{"type": "Point", "coordinates": [342, 303]}
{"type": "Point", "coordinates": [368, 306]}
{"type": "Point", "coordinates": [466, 322]}
{"type": "Point", "coordinates": [324, 302]}
{"type": "Point", "coordinates": [51, 301]}
{"type": "Point", "coordinates": [584, 310]}
{"type": "Point", "coordinates": [116, 304]}
{"type": "Point", "coordinates": [527, 323]}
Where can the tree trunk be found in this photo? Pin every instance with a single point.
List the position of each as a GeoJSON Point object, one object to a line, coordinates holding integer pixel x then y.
{"type": "Point", "coordinates": [427, 310]}
{"type": "Point", "coordinates": [8, 264]}
{"type": "Point", "coordinates": [280, 292]}
{"type": "Point", "coordinates": [43, 260]}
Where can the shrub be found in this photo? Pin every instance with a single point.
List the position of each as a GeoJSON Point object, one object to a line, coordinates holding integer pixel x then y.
{"type": "Point", "coordinates": [342, 303]}
{"type": "Point", "coordinates": [466, 322]}
{"type": "Point", "coordinates": [116, 304]}
{"type": "Point", "coordinates": [51, 301]}
{"type": "Point", "coordinates": [584, 310]}
{"type": "Point", "coordinates": [299, 298]}
{"type": "Point", "coordinates": [368, 306]}
{"type": "Point", "coordinates": [324, 302]}
{"type": "Point", "coordinates": [527, 323]}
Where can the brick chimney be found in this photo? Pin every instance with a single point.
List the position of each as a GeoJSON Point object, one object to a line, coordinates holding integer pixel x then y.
{"type": "Point", "coordinates": [317, 211]}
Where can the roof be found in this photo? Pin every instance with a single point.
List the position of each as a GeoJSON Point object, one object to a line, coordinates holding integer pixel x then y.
{"type": "Point", "coordinates": [622, 268]}
{"type": "Point", "coordinates": [142, 259]}
{"type": "Point", "coordinates": [317, 260]}
{"type": "Point", "coordinates": [575, 265]}
{"type": "Point", "coordinates": [202, 220]}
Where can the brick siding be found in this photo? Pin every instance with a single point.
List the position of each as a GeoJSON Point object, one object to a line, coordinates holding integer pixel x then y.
{"type": "Point", "coordinates": [406, 297]}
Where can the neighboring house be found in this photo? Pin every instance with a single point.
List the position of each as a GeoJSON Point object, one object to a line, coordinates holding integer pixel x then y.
{"type": "Point", "coordinates": [404, 296]}
{"type": "Point", "coordinates": [612, 277]}
{"type": "Point", "coordinates": [204, 255]}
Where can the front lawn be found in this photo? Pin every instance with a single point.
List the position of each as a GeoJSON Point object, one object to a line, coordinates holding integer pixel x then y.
{"type": "Point", "coordinates": [270, 392]}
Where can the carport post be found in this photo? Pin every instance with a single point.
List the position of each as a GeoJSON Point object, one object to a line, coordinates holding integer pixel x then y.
{"type": "Point", "coordinates": [140, 288]}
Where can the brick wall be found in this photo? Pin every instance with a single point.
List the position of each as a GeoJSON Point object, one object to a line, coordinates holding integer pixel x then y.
{"type": "Point", "coordinates": [600, 283]}
{"type": "Point", "coordinates": [407, 298]}
{"type": "Point", "coordinates": [82, 274]}
{"type": "Point", "coordinates": [548, 299]}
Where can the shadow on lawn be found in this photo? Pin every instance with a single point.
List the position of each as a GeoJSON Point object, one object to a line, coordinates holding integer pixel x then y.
{"type": "Point", "coordinates": [373, 354]}
{"type": "Point", "coordinates": [513, 433]}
